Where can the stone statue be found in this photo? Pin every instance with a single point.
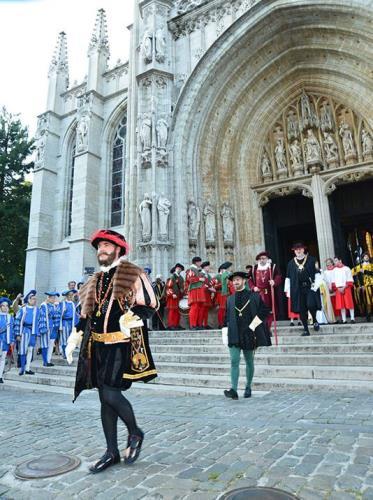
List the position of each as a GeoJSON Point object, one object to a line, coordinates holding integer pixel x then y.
{"type": "Point", "coordinates": [367, 142]}
{"type": "Point", "coordinates": [292, 126]}
{"type": "Point", "coordinates": [280, 156]}
{"type": "Point", "coordinates": [312, 147]}
{"type": "Point", "coordinates": [163, 208]}
{"type": "Point", "coordinates": [194, 220]}
{"type": "Point", "coordinates": [40, 151]}
{"type": "Point", "coordinates": [146, 132]}
{"type": "Point", "coordinates": [210, 224]}
{"type": "Point", "coordinates": [228, 222]}
{"type": "Point", "coordinates": [160, 45]}
{"type": "Point", "coordinates": [330, 148]}
{"type": "Point", "coordinates": [309, 117]}
{"type": "Point", "coordinates": [162, 133]}
{"type": "Point", "coordinates": [82, 134]}
{"type": "Point", "coordinates": [295, 155]}
{"type": "Point", "coordinates": [147, 47]}
{"type": "Point", "coordinates": [347, 139]}
{"type": "Point", "coordinates": [326, 119]}
{"type": "Point", "coordinates": [145, 211]}
{"type": "Point", "coordinates": [266, 166]}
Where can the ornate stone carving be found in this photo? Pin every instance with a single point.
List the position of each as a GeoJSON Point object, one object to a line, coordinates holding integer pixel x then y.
{"type": "Point", "coordinates": [280, 157]}
{"type": "Point", "coordinates": [160, 45]}
{"type": "Point", "coordinates": [194, 220]}
{"type": "Point", "coordinates": [82, 134]}
{"type": "Point", "coordinates": [145, 131]}
{"type": "Point", "coordinates": [40, 148]}
{"type": "Point", "coordinates": [210, 223]}
{"type": "Point", "coordinates": [161, 133]}
{"type": "Point", "coordinates": [160, 82]}
{"type": "Point", "coordinates": [266, 167]}
{"type": "Point", "coordinates": [296, 157]}
{"type": "Point", "coordinates": [367, 144]}
{"type": "Point", "coordinates": [326, 118]}
{"type": "Point", "coordinates": [227, 223]}
{"type": "Point", "coordinates": [309, 117]}
{"type": "Point", "coordinates": [292, 125]}
{"type": "Point", "coordinates": [330, 149]}
{"type": "Point", "coordinates": [347, 142]}
{"type": "Point", "coordinates": [163, 207]}
{"type": "Point", "coordinates": [313, 151]}
{"type": "Point", "coordinates": [145, 211]}
{"type": "Point", "coordinates": [146, 46]}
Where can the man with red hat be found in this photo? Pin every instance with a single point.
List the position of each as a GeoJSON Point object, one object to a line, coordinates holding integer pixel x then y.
{"type": "Point", "coordinates": [304, 295]}
{"type": "Point", "coordinates": [264, 279]}
{"type": "Point", "coordinates": [115, 304]}
{"type": "Point", "coordinates": [194, 284]}
{"type": "Point", "coordinates": [174, 292]}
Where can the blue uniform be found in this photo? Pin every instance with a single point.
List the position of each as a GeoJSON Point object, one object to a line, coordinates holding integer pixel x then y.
{"type": "Point", "coordinates": [26, 325]}
{"type": "Point", "coordinates": [6, 331]}
{"type": "Point", "coordinates": [49, 321]}
{"type": "Point", "coordinates": [68, 319]}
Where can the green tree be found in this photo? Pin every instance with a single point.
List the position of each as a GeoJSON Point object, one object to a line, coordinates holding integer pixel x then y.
{"type": "Point", "coordinates": [15, 196]}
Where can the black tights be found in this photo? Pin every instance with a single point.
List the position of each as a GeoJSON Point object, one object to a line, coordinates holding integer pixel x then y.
{"type": "Point", "coordinates": [114, 405]}
{"type": "Point", "coordinates": [303, 312]}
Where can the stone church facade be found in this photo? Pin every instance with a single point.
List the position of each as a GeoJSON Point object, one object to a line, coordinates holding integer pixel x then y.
{"type": "Point", "coordinates": [235, 125]}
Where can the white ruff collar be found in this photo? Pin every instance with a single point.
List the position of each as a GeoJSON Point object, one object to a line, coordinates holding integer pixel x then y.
{"type": "Point", "coordinates": [264, 267]}
{"type": "Point", "coordinates": [106, 269]}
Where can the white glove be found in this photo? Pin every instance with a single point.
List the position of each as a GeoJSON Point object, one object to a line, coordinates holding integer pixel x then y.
{"type": "Point", "coordinates": [73, 341]}
{"type": "Point", "coordinates": [129, 320]}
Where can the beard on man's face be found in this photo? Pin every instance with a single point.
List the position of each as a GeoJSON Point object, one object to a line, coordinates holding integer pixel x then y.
{"type": "Point", "coordinates": [106, 258]}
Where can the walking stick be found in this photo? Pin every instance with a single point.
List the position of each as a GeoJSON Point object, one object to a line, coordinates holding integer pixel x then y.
{"type": "Point", "coordinates": [273, 306]}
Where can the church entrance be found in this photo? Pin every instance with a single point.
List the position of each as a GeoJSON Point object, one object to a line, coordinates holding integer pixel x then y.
{"type": "Point", "coordinates": [351, 208]}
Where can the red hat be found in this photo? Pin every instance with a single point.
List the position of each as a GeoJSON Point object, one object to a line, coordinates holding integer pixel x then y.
{"type": "Point", "coordinates": [109, 235]}
{"type": "Point", "coordinates": [262, 254]}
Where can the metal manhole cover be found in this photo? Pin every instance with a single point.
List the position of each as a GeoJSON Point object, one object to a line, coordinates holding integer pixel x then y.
{"type": "Point", "coordinates": [46, 466]}
{"type": "Point", "coordinates": [258, 493]}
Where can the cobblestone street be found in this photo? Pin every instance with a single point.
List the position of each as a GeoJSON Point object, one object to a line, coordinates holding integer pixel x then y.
{"type": "Point", "coordinates": [317, 445]}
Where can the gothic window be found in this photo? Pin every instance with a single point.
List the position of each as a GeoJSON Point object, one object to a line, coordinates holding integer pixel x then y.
{"type": "Point", "coordinates": [117, 174]}
{"type": "Point", "coordinates": [70, 188]}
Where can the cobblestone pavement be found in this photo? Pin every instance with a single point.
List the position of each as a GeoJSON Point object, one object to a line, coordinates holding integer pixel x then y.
{"type": "Point", "coordinates": [317, 445]}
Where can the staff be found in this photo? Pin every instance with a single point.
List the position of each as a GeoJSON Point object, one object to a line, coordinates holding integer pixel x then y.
{"type": "Point", "coordinates": [273, 306]}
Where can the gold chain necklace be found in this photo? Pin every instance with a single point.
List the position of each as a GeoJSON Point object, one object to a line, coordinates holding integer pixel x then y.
{"type": "Point", "coordinates": [242, 308]}
{"type": "Point", "coordinates": [300, 266]}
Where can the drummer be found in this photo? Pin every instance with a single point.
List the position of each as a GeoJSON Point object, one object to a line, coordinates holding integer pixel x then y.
{"type": "Point", "coordinates": [174, 293]}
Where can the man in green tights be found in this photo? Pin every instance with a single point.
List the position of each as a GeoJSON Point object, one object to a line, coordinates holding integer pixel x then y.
{"type": "Point", "coordinates": [247, 330]}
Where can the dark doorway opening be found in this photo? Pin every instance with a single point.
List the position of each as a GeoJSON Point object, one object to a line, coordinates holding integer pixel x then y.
{"type": "Point", "coordinates": [287, 220]}
{"type": "Point", "coordinates": [351, 209]}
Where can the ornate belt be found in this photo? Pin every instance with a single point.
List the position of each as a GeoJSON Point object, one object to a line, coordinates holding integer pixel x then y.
{"type": "Point", "coordinates": [109, 337]}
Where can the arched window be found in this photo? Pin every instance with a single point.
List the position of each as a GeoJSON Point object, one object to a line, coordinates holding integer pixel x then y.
{"type": "Point", "coordinates": [70, 187]}
{"type": "Point", "coordinates": [117, 174]}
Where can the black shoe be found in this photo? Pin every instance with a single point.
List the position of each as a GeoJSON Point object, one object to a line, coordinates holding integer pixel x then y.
{"type": "Point", "coordinates": [232, 394]}
{"type": "Point", "coordinates": [291, 323]}
{"type": "Point", "coordinates": [1, 381]}
{"type": "Point", "coordinates": [316, 326]}
{"type": "Point", "coordinates": [134, 443]}
{"type": "Point", "coordinates": [50, 364]}
{"type": "Point", "coordinates": [21, 372]}
{"type": "Point", "coordinates": [247, 393]}
{"type": "Point", "coordinates": [305, 334]}
{"type": "Point", "coordinates": [299, 323]}
{"type": "Point", "coordinates": [105, 461]}
{"type": "Point", "coordinates": [352, 322]}
{"type": "Point", "coordinates": [29, 372]}
{"type": "Point", "coordinates": [344, 322]}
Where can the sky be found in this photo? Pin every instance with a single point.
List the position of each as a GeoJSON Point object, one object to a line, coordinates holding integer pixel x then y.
{"type": "Point", "coordinates": [28, 36]}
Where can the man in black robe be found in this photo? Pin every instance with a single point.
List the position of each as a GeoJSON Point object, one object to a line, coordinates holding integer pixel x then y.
{"type": "Point", "coordinates": [159, 287]}
{"type": "Point", "coordinates": [301, 272]}
{"type": "Point", "coordinates": [247, 329]}
{"type": "Point", "coordinates": [115, 305]}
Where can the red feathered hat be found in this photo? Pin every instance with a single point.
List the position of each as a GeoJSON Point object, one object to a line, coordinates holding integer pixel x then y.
{"type": "Point", "coordinates": [109, 235]}
{"type": "Point", "coordinates": [262, 254]}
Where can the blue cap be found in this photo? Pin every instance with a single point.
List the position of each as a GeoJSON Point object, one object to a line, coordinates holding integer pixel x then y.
{"type": "Point", "coordinates": [28, 296]}
{"type": "Point", "coordinates": [6, 300]}
{"type": "Point", "coordinates": [69, 291]}
{"type": "Point", "coordinates": [52, 294]}
{"type": "Point", "coordinates": [148, 270]}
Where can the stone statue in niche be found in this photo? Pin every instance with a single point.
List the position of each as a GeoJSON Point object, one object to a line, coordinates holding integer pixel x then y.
{"type": "Point", "coordinates": [145, 211]}
{"type": "Point", "coordinates": [280, 156]}
{"type": "Point", "coordinates": [228, 222]}
{"type": "Point", "coordinates": [210, 223]}
{"type": "Point", "coordinates": [326, 119]}
{"type": "Point", "coordinates": [160, 45]}
{"type": "Point", "coordinates": [330, 148]}
{"type": "Point", "coordinates": [312, 147]}
{"type": "Point", "coordinates": [266, 166]}
{"type": "Point", "coordinates": [162, 133]}
{"type": "Point", "coordinates": [295, 155]}
{"type": "Point", "coordinates": [146, 132]}
{"type": "Point", "coordinates": [292, 126]}
{"type": "Point", "coordinates": [82, 134]}
{"type": "Point", "coordinates": [367, 142]}
{"type": "Point", "coordinates": [194, 220]}
{"type": "Point", "coordinates": [347, 139]}
{"type": "Point", "coordinates": [40, 150]}
{"type": "Point", "coordinates": [163, 207]}
{"type": "Point", "coordinates": [147, 46]}
{"type": "Point", "coordinates": [309, 117]}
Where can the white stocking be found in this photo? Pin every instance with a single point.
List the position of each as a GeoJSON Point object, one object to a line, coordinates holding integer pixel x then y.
{"type": "Point", "coordinates": [352, 314]}
{"type": "Point", "coordinates": [29, 358]}
{"type": "Point", "coordinates": [50, 350]}
{"type": "Point", "coordinates": [343, 314]}
{"type": "Point", "coordinates": [2, 362]}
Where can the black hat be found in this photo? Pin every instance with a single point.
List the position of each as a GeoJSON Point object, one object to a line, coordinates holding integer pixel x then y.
{"type": "Point", "coordinates": [179, 265]}
{"type": "Point", "coordinates": [240, 274]}
{"type": "Point", "coordinates": [225, 265]}
{"type": "Point", "coordinates": [172, 270]}
{"type": "Point", "coordinates": [196, 259]}
{"type": "Point", "coordinates": [299, 244]}
{"type": "Point", "coordinates": [205, 264]}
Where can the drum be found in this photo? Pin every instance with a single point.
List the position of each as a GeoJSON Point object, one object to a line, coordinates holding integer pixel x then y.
{"type": "Point", "coordinates": [183, 305]}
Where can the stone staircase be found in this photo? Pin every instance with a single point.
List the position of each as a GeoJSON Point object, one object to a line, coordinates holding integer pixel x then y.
{"type": "Point", "coordinates": [339, 357]}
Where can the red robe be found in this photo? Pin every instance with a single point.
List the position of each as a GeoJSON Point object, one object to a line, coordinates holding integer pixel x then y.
{"type": "Point", "coordinates": [260, 279]}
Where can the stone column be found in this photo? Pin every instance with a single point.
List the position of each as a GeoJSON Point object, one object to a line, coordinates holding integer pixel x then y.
{"type": "Point", "coordinates": [322, 219]}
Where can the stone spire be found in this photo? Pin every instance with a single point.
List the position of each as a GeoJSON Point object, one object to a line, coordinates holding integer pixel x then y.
{"type": "Point", "coordinates": [58, 74]}
{"type": "Point", "coordinates": [98, 53]}
{"type": "Point", "coordinates": [99, 39]}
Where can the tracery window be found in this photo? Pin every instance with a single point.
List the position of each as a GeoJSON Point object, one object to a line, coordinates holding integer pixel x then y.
{"type": "Point", "coordinates": [117, 173]}
{"type": "Point", "coordinates": [70, 187]}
